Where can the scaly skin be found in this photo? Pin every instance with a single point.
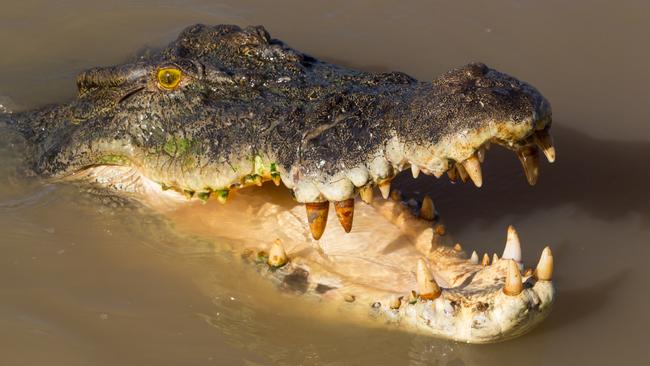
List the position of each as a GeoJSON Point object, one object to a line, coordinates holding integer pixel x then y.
{"type": "Point", "coordinates": [247, 108]}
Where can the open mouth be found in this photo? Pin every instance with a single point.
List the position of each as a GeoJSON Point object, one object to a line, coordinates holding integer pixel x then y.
{"type": "Point", "coordinates": [390, 257]}
{"type": "Point", "coordinates": [223, 110]}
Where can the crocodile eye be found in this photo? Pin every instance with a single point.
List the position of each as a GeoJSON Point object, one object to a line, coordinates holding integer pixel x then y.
{"type": "Point", "coordinates": [168, 77]}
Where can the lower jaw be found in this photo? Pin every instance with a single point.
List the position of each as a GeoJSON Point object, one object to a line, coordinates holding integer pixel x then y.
{"type": "Point", "coordinates": [371, 271]}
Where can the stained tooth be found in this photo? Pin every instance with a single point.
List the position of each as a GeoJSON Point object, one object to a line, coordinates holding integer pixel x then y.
{"type": "Point", "coordinates": [452, 174]}
{"type": "Point", "coordinates": [384, 187]}
{"type": "Point", "coordinates": [222, 195]}
{"type": "Point", "coordinates": [345, 213]}
{"type": "Point", "coordinates": [427, 211]}
{"type": "Point", "coordinates": [513, 246]}
{"type": "Point", "coordinates": [427, 286]}
{"type": "Point", "coordinates": [529, 157]}
{"type": "Point", "coordinates": [473, 168]}
{"type": "Point", "coordinates": [413, 297]}
{"type": "Point", "coordinates": [276, 179]}
{"type": "Point", "coordinates": [474, 258]}
{"type": "Point", "coordinates": [203, 196]}
{"type": "Point", "coordinates": [317, 217]}
{"type": "Point", "coordinates": [545, 142]}
{"type": "Point", "coordinates": [544, 271]}
{"type": "Point", "coordinates": [480, 154]}
{"type": "Point", "coordinates": [277, 255]}
{"type": "Point", "coordinates": [462, 172]}
{"type": "Point", "coordinates": [528, 272]}
{"type": "Point", "coordinates": [366, 193]}
{"type": "Point", "coordinates": [495, 258]}
{"type": "Point", "coordinates": [486, 260]}
{"type": "Point", "coordinates": [513, 285]}
{"type": "Point", "coordinates": [395, 302]}
{"type": "Point", "coordinates": [415, 170]}
{"type": "Point", "coordinates": [458, 247]}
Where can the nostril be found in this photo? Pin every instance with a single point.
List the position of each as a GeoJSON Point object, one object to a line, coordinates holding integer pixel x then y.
{"type": "Point", "coordinates": [476, 69]}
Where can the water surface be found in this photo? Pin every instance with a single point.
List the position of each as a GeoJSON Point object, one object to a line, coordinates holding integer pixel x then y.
{"type": "Point", "coordinates": [90, 282]}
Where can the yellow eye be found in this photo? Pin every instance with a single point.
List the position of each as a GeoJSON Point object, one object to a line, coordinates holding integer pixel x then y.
{"type": "Point", "coordinates": [169, 77]}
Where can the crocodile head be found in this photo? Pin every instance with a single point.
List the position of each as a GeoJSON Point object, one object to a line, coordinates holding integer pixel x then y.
{"type": "Point", "coordinates": [224, 108]}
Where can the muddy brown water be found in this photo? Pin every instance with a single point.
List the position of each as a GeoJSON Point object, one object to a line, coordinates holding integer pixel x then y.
{"type": "Point", "coordinates": [84, 282]}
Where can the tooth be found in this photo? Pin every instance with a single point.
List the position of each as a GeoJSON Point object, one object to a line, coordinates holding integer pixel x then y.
{"type": "Point", "coordinates": [427, 286]}
{"type": "Point", "coordinates": [513, 285]}
{"type": "Point", "coordinates": [396, 195]}
{"type": "Point", "coordinates": [528, 272]}
{"type": "Point", "coordinates": [474, 258]}
{"type": "Point", "coordinates": [473, 168]}
{"type": "Point", "coordinates": [480, 154]}
{"type": "Point", "coordinates": [317, 217]}
{"type": "Point", "coordinates": [384, 187]}
{"type": "Point", "coordinates": [188, 193]}
{"type": "Point", "coordinates": [203, 196]}
{"type": "Point", "coordinates": [415, 170]}
{"type": "Point", "coordinates": [413, 297]}
{"type": "Point", "coordinates": [545, 142]}
{"type": "Point", "coordinates": [427, 211]}
{"type": "Point", "coordinates": [345, 213]}
{"type": "Point", "coordinates": [513, 246]}
{"type": "Point", "coordinates": [486, 260]}
{"type": "Point", "coordinates": [222, 195]}
{"type": "Point", "coordinates": [462, 172]}
{"type": "Point", "coordinates": [452, 174]}
{"type": "Point", "coordinates": [277, 255]}
{"type": "Point", "coordinates": [529, 157]}
{"type": "Point", "coordinates": [366, 193]}
{"type": "Point", "coordinates": [276, 179]}
{"type": "Point", "coordinates": [395, 302]}
{"type": "Point", "coordinates": [495, 258]}
{"type": "Point", "coordinates": [458, 247]}
{"type": "Point", "coordinates": [544, 271]}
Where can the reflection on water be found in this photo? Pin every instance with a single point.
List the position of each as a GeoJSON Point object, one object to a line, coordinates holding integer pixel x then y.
{"type": "Point", "coordinates": [85, 281]}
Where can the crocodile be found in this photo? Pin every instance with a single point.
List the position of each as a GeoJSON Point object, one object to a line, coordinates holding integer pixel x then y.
{"type": "Point", "coordinates": [197, 128]}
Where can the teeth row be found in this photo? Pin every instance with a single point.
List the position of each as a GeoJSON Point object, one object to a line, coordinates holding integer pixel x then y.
{"type": "Point", "coordinates": [512, 253]}
{"type": "Point", "coordinates": [513, 286]}
{"type": "Point", "coordinates": [317, 212]}
{"type": "Point", "coordinates": [428, 288]}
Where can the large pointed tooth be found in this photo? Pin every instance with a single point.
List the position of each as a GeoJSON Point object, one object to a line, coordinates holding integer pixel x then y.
{"type": "Point", "coordinates": [473, 168]}
{"type": "Point", "coordinates": [384, 187]}
{"type": "Point", "coordinates": [480, 154]}
{"type": "Point", "coordinates": [277, 255]}
{"type": "Point", "coordinates": [545, 142]}
{"type": "Point", "coordinates": [474, 258]}
{"type": "Point", "coordinates": [513, 245]}
{"type": "Point", "coordinates": [345, 213]}
{"type": "Point", "coordinates": [452, 174]}
{"type": "Point", "coordinates": [486, 260]}
{"type": "Point", "coordinates": [529, 157]}
{"type": "Point", "coordinates": [317, 217]}
{"type": "Point", "coordinates": [427, 211]}
{"type": "Point", "coordinates": [513, 285]}
{"type": "Point", "coordinates": [495, 258]}
{"type": "Point", "coordinates": [544, 271]}
{"type": "Point", "coordinates": [462, 172]}
{"type": "Point", "coordinates": [427, 286]}
{"type": "Point", "coordinates": [415, 170]}
{"type": "Point", "coordinates": [366, 193]}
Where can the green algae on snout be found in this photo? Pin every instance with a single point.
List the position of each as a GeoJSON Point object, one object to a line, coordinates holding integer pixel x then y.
{"type": "Point", "coordinates": [114, 159]}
